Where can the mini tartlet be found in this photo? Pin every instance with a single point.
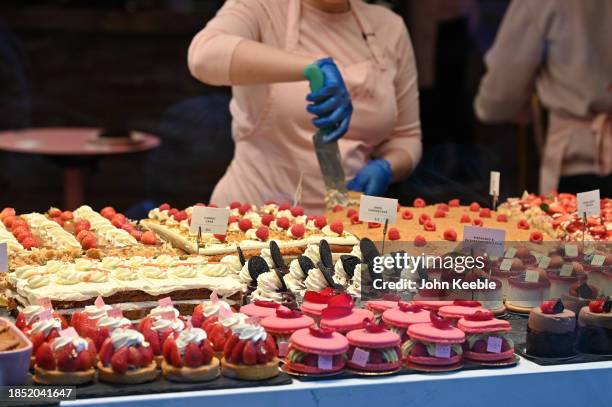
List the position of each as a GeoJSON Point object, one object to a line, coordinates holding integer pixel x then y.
{"type": "Point", "coordinates": [189, 357]}
{"type": "Point", "coordinates": [595, 327]}
{"type": "Point", "coordinates": [158, 332]}
{"type": "Point", "coordinates": [29, 315]}
{"type": "Point", "coordinates": [316, 351]}
{"type": "Point", "coordinates": [67, 360]}
{"type": "Point", "coordinates": [250, 354]}
{"type": "Point", "coordinates": [126, 358]}
{"type": "Point", "coordinates": [374, 349]}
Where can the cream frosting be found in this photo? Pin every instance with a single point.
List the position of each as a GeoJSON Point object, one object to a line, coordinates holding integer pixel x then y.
{"type": "Point", "coordinates": [95, 312]}
{"type": "Point", "coordinates": [164, 325]}
{"type": "Point", "coordinates": [121, 338]}
{"type": "Point", "coordinates": [79, 343]}
{"type": "Point", "coordinates": [113, 323]}
{"type": "Point", "coordinates": [248, 332]}
{"type": "Point", "coordinates": [215, 270]}
{"type": "Point", "coordinates": [340, 276]}
{"type": "Point", "coordinates": [210, 308]}
{"type": "Point", "coordinates": [232, 262]}
{"type": "Point", "coordinates": [104, 229]}
{"type": "Point", "coordinates": [31, 313]}
{"type": "Point", "coordinates": [46, 326]}
{"type": "Point", "coordinates": [315, 281]}
{"type": "Point", "coordinates": [158, 311]}
{"type": "Point", "coordinates": [51, 233]}
{"type": "Point", "coordinates": [268, 285]}
{"type": "Point", "coordinates": [193, 335]}
{"type": "Point", "coordinates": [312, 252]}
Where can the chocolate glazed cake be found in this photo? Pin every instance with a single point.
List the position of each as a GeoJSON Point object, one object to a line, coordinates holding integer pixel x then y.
{"type": "Point", "coordinates": [595, 327]}
{"type": "Point", "coordinates": [551, 330]}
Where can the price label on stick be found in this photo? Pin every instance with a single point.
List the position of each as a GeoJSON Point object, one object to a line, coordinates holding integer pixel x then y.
{"type": "Point", "coordinates": [494, 183]}
{"type": "Point", "coordinates": [3, 258]}
{"type": "Point", "coordinates": [377, 209]}
{"type": "Point", "coordinates": [544, 262]}
{"type": "Point", "coordinates": [588, 203]}
{"type": "Point", "coordinates": [486, 240]}
{"type": "Point", "coordinates": [506, 264]}
{"type": "Point", "coordinates": [209, 220]}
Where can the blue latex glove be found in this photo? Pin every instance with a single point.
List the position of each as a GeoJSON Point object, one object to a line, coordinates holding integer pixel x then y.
{"type": "Point", "coordinates": [373, 179]}
{"type": "Point", "coordinates": [332, 103]}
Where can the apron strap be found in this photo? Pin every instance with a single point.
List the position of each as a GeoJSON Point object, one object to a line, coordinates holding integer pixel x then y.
{"type": "Point", "coordinates": [602, 127]}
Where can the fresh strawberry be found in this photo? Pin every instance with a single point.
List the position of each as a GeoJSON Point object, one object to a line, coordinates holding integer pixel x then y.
{"type": "Point", "coordinates": [106, 352]}
{"type": "Point", "coordinates": [548, 307]}
{"type": "Point", "coordinates": [136, 234]}
{"type": "Point", "coordinates": [44, 357]}
{"type": "Point", "coordinates": [8, 221]}
{"type": "Point", "coordinates": [261, 352]}
{"type": "Point", "coordinates": [320, 222]}
{"type": "Point", "coordinates": [297, 211]}
{"type": "Point", "coordinates": [154, 342]}
{"type": "Point", "coordinates": [393, 234]}
{"type": "Point", "coordinates": [210, 321]}
{"type": "Point", "coordinates": [454, 203]}
{"type": "Point", "coordinates": [229, 346]}
{"type": "Point", "coordinates": [270, 347]}
{"type": "Point", "coordinates": [450, 235]}
{"type": "Point", "coordinates": [419, 203]}
{"type": "Point", "coordinates": [164, 207]}
{"type": "Point", "coordinates": [19, 223]}
{"type": "Point", "coordinates": [267, 219]}
{"type": "Point", "coordinates": [337, 227]}
{"type": "Point", "coordinates": [420, 241]}
{"type": "Point", "coordinates": [37, 340]}
{"type": "Point", "coordinates": [146, 355]}
{"type": "Point", "coordinates": [284, 206]}
{"type": "Point", "coordinates": [235, 205]}
{"type": "Point", "coordinates": [22, 234]}
{"type": "Point", "coordinates": [89, 242]}
{"type": "Point", "coordinates": [474, 207]}
{"type": "Point", "coordinates": [429, 226]}
{"type": "Point", "coordinates": [485, 213]}
{"type": "Point", "coordinates": [523, 224]}
{"type": "Point", "coordinates": [298, 231]}
{"type": "Point", "coordinates": [407, 214]}
{"type": "Point", "coordinates": [443, 207]}
{"type": "Point", "coordinates": [197, 317]}
{"type": "Point", "coordinates": [67, 216]}
{"type": "Point", "coordinates": [262, 233]}
{"type": "Point", "coordinates": [119, 361]}
{"type": "Point", "coordinates": [193, 355]}
{"type": "Point", "coordinates": [92, 349]}
{"type": "Point", "coordinates": [66, 359]}
{"type": "Point", "coordinates": [207, 352]}
{"type": "Point", "coordinates": [244, 209]}
{"type": "Point", "coordinates": [249, 356]}
{"type": "Point", "coordinates": [439, 213]}
{"type": "Point", "coordinates": [235, 356]}
{"type": "Point", "coordinates": [282, 223]}
{"type": "Point", "coordinates": [419, 350]}
{"type": "Point", "coordinates": [148, 238]}
{"type": "Point", "coordinates": [167, 346]}
{"type": "Point", "coordinates": [134, 357]}
{"type": "Point", "coordinates": [83, 361]}
{"type": "Point", "coordinates": [108, 212]}
{"type": "Point", "coordinates": [502, 217]}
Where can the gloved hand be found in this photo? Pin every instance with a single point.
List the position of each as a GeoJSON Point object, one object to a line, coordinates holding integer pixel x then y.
{"type": "Point", "coordinates": [332, 103]}
{"type": "Point", "coordinates": [373, 179]}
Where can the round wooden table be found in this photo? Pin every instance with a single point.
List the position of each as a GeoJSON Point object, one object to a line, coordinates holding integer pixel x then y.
{"type": "Point", "coordinates": [73, 149]}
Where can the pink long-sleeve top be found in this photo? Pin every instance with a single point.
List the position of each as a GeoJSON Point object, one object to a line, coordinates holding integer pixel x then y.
{"type": "Point", "coordinates": [320, 34]}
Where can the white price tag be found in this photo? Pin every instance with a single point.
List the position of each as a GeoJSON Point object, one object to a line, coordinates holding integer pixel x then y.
{"type": "Point", "coordinates": [571, 250]}
{"type": "Point", "coordinates": [490, 241]}
{"type": "Point", "coordinates": [325, 362]}
{"type": "Point", "coordinates": [494, 183]}
{"type": "Point", "coordinates": [588, 203]}
{"type": "Point", "coordinates": [532, 276]}
{"type": "Point", "coordinates": [544, 262]}
{"type": "Point", "coordinates": [566, 270]}
{"type": "Point", "coordinates": [598, 260]}
{"type": "Point", "coordinates": [211, 220]}
{"type": "Point", "coordinates": [377, 209]}
{"type": "Point", "coordinates": [510, 252]}
{"type": "Point", "coordinates": [506, 264]}
{"type": "Point", "coordinates": [3, 258]}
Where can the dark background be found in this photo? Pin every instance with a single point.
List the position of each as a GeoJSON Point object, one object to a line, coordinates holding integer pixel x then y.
{"type": "Point", "coordinates": [122, 64]}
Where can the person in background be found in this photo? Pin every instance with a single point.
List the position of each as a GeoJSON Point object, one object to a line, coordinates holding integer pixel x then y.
{"type": "Point", "coordinates": [370, 96]}
{"type": "Point", "coordinates": [562, 49]}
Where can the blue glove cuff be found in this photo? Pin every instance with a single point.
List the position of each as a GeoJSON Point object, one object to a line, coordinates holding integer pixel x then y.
{"type": "Point", "coordinates": [386, 166]}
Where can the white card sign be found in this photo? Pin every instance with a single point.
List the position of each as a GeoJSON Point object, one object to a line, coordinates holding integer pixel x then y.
{"type": "Point", "coordinates": [494, 183]}
{"type": "Point", "coordinates": [510, 252]}
{"type": "Point", "coordinates": [532, 276]}
{"type": "Point", "coordinates": [490, 241]}
{"type": "Point", "coordinates": [211, 220]}
{"type": "Point", "coordinates": [571, 250]}
{"type": "Point", "coordinates": [588, 203]}
{"type": "Point", "coordinates": [377, 209]}
{"type": "Point", "coordinates": [506, 265]}
{"type": "Point", "coordinates": [566, 270]}
{"type": "Point", "coordinates": [598, 260]}
{"type": "Point", "coordinates": [544, 262]}
{"type": "Point", "coordinates": [3, 258]}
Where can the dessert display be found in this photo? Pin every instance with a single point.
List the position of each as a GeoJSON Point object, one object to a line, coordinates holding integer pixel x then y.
{"type": "Point", "coordinates": [595, 327]}
{"type": "Point", "coordinates": [250, 228]}
{"type": "Point", "coordinates": [433, 344]}
{"type": "Point", "coordinates": [67, 360]}
{"type": "Point", "coordinates": [15, 354]}
{"type": "Point", "coordinates": [341, 316]}
{"type": "Point", "coordinates": [249, 354]}
{"type": "Point", "coordinates": [373, 349]}
{"type": "Point", "coordinates": [283, 324]}
{"type": "Point", "coordinates": [31, 314]}
{"type": "Point", "coordinates": [189, 357]}
{"type": "Point", "coordinates": [399, 319]}
{"type": "Point", "coordinates": [316, 351]}
{"type": "Point", "coordinates": [525, 295]}
{"type": "Point", "coordinates": [487, 338]}
{"type": "Point", "coordinates": [126, 358]}
{"type": "Point", "coordinates": [432, 299]}
{"type": "Point", "coordinates": [551, 330]}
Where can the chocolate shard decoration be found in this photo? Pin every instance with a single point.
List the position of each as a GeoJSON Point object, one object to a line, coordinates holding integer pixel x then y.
{"type": "Point", "coordinates": [326, 254]}
{"type": "Point", "coordinates": [368, 251]}
{"type": "Point", "coordinates": [257, 266]}
{"type": "Point", "coordinates": [277, 257]}
{"type": "Point", "coordinates": [607, 307]}
{"type": "Point", "coordinates": [558, 308]}
{"type": "Point", "coordinates": [306, 264]}
{"type": "Point", "coordinates": [584, 291]}
{"type": "Point", "coordinates": [241, 256]}
{"type": "Point", "coordinates": [279, 274]}
{"type": "Point", "coordinates": [349, 263]}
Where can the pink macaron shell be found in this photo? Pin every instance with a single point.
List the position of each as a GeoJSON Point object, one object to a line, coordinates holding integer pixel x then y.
{"type": "Point", "coordinates": [254, 310]}
{"type": "Point", "coordinates": [429, 333]}
{"type": "Point", "coordinates": [432, 305]}
{"type": "Point", "coordinates": [458, 311]}
{"type": "Point", "coordinates": [433, 361]}
{"type": "Point", "coordinates": [476, 327]}
{"type": "Point", "coordinates": [313, 308]}
{"type": "Point", "coordinates": [347, 323]}
{"type": "Point", "coordinates": [488, 357]}
{"type": "Point", "coordinates": [277, 325]}
{"type": "Point", "coordinates": [397, 317]}
{"type": "Point", "coordinates": [303, 340]}
{"type": "Point", "coordinates": [381, 305]}
{"type": "Point", "coordinates": [373, 340]}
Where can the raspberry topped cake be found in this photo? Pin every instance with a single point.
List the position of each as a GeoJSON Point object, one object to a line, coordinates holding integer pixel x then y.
{"type": "Point", "coordinates": [595, 327]}
{"type": "Point", "coordinates": [250, 354]}
{"type": "Point", "coordinates": [126, 358]}
{"type": "Point", "coordinates": [551, 330]}
{"type": "Point", "coordinates": [189, 357]}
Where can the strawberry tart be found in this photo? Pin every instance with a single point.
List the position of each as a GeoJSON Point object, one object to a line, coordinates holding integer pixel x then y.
{"type": "Point", "coordinates": [30, 314]}
{"type": "Point", "coordinates": [220, 332]}
{"type": "Point", "coordinates": [316, 351]}
{"type": "Point", "coordinates": [67, 360]}
{"type": "Point", "coordinates": [551, 330]}
{"type": "Point", "coordinates": [283, 324]}
{"type": "Point", "coordinates": [159, 331]}
{"type": "Point", "coordinates": [487, 338]}
{"type": "Point", "coordinates": [373, 349]}
{"type": "Point", "coordinates": [189, 357]}
{"type": "Point", "coordinates": [250, 354]}
{"type": "Point", "coordinates": [126, 358]}
{"type": "Point", "coordinates": [433, 344]}
{"type": "Point", "coordinates": [207, 312]}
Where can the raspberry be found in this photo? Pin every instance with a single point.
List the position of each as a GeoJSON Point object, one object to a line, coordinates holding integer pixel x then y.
{"type": "Point", "coordinates": [443, 207]}
{"type": "Point", "coordinates": [267, 219]}
{"type": "Point", "coordinates": [282, 223]}
{"type": "Point", "coordinates": [429, 226]}
{"type": "Point", "coordinates": [148, 237]}
{"type": "Point", "coordinates": [597, 306]}
{"type": "Point", "coordinates": [523, 224]}
{"type": "Point", "coordinates": [7, 212]}
{"type": "Point", "coordinates": [419, 203]}
{"type": "Point", "coordinates": [298, 231]}
{"type": "Point", "coordinates": [450, 235]}
{"type": "Point", "coordinates": [439, 213]}
{"type": "Point", "coordinates": [477, 222]}
{"type": "Point", "coordinates": [337, 227]}
{"type": "Point", "coordinates": [136, 234]}
{"type": "Point", "coordinates": [200, 204]}
{"type": "Point", "coordinates": [297, 211]}
{"type": "Point", "coordinates": [424, 218]}
{"type": "Point", "coordinates": [284, 206]}
{"type": "Point", "coordinates": [407, 215]}
{"type": "Point", "coordinates": [454, 203]}
{"type": "Point", "coordinates": [59, 221]}
{"type": "Point", "coordinates": [108, 212]}
{"type": "Point", "coordinates": [244, 209]}
{"type": "Point", "coordinates": [172, 212]}
{"type": "Point", "coordinates": [351, 212]}
{"type": "Point", "coordinates": [394, 234]}
{"type": "Point", "coordinates": [338, 208]}
{"type": "Point", "coordinates": [29, 243]}
{"type": "Point", "coordinates": [548, 307]}
{"type": "Point", "coordinates": [235, 205]}
{"type": "Point", "coordinates": [320, 222]}
{"type": "Point", "coordinates": [465, 218]}
{"type": "Point", "coordinates": [474, 207]}
{"type": "Point", "coordinates": [355, 220]}
{"type": "Point", "coordinates": [485, 213]}
{"type": "Point", "coordinates": [374, 225]}
{"type": "Point", "coordinates": [245, 224]}
{"type": "Point", "coordinates": [419, 241]}
{"type": "Point", "coordinates": [180, 216]}
{"type": "Point", "coordinates": [89, 242]}
{"type": "Point", "coordinates": [164, 207]}
{"type": "Point", "coordinates": [502, 217]}
{"type": "Point", "coordinates": [536, 237]}
{"type": "Point", "coordinates": [118, 220]}
{"type": "Point", "coordinates": [66, 216]}
{"type": "Point", "coordinates": [82, 234]}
